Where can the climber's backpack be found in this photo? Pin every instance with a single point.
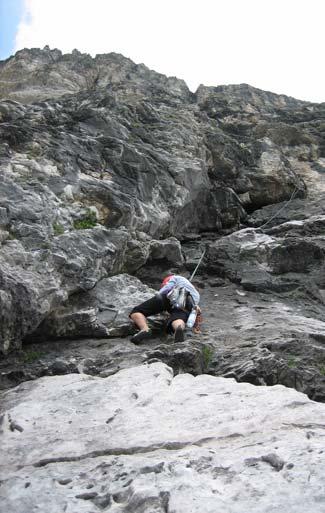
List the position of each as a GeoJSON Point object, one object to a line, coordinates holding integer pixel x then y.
{"type": "Point", "coordinates": [180, 298]}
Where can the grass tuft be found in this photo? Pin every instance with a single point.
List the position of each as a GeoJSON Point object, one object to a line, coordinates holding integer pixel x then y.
{"type": "Point", "coordinates": [207, 353]}
{"type": "Point", "coordinates": [58, 229]}
{"type": "Point", "coordinates": [88, 221]}
{"type": "Point", "coordinates": [31, 356]}
{"type": "Point", "coordinates": [292, 362]}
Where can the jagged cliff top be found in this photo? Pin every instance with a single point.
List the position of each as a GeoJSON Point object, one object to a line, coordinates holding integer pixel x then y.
{"type": "Point", "coordinates": [34, 74]}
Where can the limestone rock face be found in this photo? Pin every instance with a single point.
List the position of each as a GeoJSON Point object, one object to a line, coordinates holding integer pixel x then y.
{"type": "Point", "coordinates": [143, 441]}
{"type": "Point", "coordinates": [102, 159]}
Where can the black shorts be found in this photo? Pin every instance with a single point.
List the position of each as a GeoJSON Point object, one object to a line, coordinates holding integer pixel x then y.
{"type": "Point", "coordinates": [158, 304]}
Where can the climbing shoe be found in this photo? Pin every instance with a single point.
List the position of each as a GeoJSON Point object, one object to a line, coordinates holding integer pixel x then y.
{"type": "Point", "coordinates": [140, 335]}
{"type": "Point", "coordinates": [179, 335]}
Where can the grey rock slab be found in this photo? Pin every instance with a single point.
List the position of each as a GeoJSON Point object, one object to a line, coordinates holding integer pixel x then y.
{"type": "Point", "coordinates": [101, 312]}
{"type": "Point", "coordinates": [143, 441]}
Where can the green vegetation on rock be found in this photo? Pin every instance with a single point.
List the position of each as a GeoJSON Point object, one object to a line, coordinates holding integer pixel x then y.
{"type": "Point", "coordinates": [58, 229]}
{"type": "Point", "coordinates": [322, 369]}
{"type": "Point", "coordinates": [88, 221]}
{"type": "Point", "coordinates": [31, 356]}
{"type": "Point", "coordinates": [207, 353]}
{"type": "Point", "coordinates": [292, 362]}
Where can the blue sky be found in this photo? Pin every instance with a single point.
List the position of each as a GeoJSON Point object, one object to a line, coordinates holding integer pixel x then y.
{"type": "Point", "coordinates": [10, 15]}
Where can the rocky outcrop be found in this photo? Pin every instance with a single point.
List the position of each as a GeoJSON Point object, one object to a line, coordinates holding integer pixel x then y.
{"type": "Point", "coordinates": [109, 145]}
{"type": "Point", "coordinates": [110, 169]}
{"type": "Point", "coordinates": [281, 259]}
{"type": "Point", "coordinates": [143, 440]}
{"type": "Point", "coordinates": [35, 75]}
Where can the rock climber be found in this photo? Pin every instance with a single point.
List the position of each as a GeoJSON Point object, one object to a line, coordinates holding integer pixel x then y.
{"type": "Point", "coordinates": [179, 298]}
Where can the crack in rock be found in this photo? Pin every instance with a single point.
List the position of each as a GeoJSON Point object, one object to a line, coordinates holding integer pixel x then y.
{"type": "Point", "coordinates": [169, 446]}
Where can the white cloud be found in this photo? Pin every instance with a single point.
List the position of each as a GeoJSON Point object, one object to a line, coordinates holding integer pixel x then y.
{"type": "Point", "coordinates": [276, 45]}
